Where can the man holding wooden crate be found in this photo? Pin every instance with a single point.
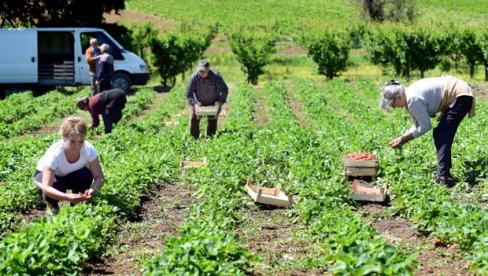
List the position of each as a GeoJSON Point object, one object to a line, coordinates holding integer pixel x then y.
{"type": "Point", "coordinates": [206, 93]}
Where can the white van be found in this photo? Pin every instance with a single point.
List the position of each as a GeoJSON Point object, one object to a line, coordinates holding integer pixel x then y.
{"type": "Point", "coordinates": [56, 56]}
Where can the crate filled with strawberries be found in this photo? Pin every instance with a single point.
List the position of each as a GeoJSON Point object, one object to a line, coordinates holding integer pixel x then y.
{"type": "Point", "coordinates": [360, 165]}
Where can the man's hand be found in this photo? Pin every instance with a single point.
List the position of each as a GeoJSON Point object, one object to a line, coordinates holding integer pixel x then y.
{"type": "Point", "coordinates": [193, 111]}
{"type": "Point", "coordinates": [219, 108]}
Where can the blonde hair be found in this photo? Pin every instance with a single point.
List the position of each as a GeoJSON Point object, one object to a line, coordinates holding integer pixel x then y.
{"type": "Point", "coordinates": [73, 125]}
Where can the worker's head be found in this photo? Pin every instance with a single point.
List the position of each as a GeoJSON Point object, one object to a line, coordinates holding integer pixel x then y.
{"type": "Point", "coordinates": [93, 42]}
{"type": "Point", "coordinates": [392, 94]}
{"type": "Point", "coordinates": [105, 48]}
{"type": "Point", "coordinates": [203, 68]}
{"type": "Point", "coordinates": [73, 125]}
{"type": "Point", "coordinates": [82, 103]}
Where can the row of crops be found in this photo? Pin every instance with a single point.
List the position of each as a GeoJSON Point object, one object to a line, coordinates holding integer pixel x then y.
{"type": "Point", "coordinates": [143, 152]}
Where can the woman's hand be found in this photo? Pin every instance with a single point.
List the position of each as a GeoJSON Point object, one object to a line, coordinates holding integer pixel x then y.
{"type": "Point", "coordinates": [77, 198]}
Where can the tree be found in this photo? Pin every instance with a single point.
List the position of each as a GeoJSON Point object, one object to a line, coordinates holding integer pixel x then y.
{"type": "Point", "coordinates": [482, 41]}
{"type": "Point", "coordinates": [393, 10]}
{"type": "Point", "coordinates": [330, 51]}
{"type": "Point", "coordinates": [142, 36]}
{"type": "Point", "coordinates": [253, 51]}
{"type": "Point", "coordinates": [174, 54]}
{"type": "Point", "coordinates": [470, 49]}
{"type": "Point", "coordinates": [45, 13]}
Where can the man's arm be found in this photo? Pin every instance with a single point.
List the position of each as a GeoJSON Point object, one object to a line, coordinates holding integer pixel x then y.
{"type": "Point", "coordinates": [190, 91]}
{"type": "Point", "coordinates": [222, 89]}
{"type": "Point", "coordinates": [95, 119]}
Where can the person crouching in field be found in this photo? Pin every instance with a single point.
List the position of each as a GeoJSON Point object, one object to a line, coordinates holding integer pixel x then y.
{"type": "Point", "coordinates": [107, 103]}
{"type": "Point", "coordinates": [70, 163]}
{"type": "Point", "coordinates": [205, 88]}
{"type": "Point", "coordinates": [423, 99]}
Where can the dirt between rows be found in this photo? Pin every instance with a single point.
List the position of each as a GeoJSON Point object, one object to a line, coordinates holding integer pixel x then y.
{"type": "Point", "coordinates": [434, 258]}
{"type": "Point", "coordinates": [165, 210]}
{"type": "Point", "coordinates": [268, 231]}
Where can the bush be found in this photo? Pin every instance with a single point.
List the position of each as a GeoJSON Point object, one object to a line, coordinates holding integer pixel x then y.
{"type": "Point", "coordinates": [330, 51]}
{"type": "Point", "coordinates": [253, 51]}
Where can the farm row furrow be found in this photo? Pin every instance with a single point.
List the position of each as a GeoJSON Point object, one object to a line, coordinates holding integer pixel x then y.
{"type": "Point", "coordinates": [70, 238]}
{"type": "Point", "coordinates": [18, 193]}
{"type": "Point", "coordinates": [41, 110]}
{"type": "Point", "coordinates": [207, 242]}
{"type": "Point", "coordinates": [323, 201]}
{"type": "Point", "coordinates": [431, 207]}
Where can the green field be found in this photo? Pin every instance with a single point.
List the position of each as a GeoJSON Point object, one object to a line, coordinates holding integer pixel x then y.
{"type": "Point", "coordinates": [293, 128]}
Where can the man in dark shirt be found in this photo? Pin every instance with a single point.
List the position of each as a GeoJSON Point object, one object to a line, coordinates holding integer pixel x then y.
{"type": "Point", "coordinates": [105, 68]}
{"type": "Point", "coordinates": [205, 88]}
{"type": "Point", "coordinates": [109, 103]}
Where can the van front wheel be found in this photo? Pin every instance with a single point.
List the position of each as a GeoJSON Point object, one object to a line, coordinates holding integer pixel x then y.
{"type": "Point", "coordinates": [122, 81]}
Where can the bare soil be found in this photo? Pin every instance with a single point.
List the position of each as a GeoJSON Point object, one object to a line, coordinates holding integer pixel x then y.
{"type": "Point", "coordinates": [433, 258]}
{"type": "Point", "coordinates": [161, 215]}
{"type": "Point", "coordinates": [270, 233]}
{"type": "Point", "coordinates": [158, 100]}
{"type": "Point", "coordinates": [260, 110]}
{"type": "Point", "coordinates": [135, 17]}
{"type": "Point", "coordinates": [290, 48]}
{"type": "Point", "coordinates": [296, 106]}
{"type": "Point", "coordinates": [31, 215]}
{"type": "Point", "coordinates": [480, 91]}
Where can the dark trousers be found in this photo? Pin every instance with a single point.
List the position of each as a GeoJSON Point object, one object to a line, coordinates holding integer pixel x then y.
{"type": "Point", "coordinates": [78, 182]}
{"type": "Point", "coordinates": [446, 130]}
{"type": "Point", "coordinates": [114, 114]}
{"type": "Point", "coordinates": [195, 125]}
{"type": "Point", "coordinates": [105, 84]}
{"type": "Point", "coordinates": [94, 86]}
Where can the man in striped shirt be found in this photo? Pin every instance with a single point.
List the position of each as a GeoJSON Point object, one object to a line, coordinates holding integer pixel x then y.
{"type": "Point", "coordinates": [205, 88]}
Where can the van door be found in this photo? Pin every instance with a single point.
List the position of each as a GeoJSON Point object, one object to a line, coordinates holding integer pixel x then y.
{"type": "Point", "coordinates": [56, 57]}
{"type": "Point", "coordinates": [18, 56]}
{"type": "Point", "coordinates": [82, 65]}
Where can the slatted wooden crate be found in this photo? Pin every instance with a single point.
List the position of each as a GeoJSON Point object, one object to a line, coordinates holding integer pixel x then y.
{"type": "Point", "coordinates": [210, 111]}
{"type": "Point", "coordinates": [362, 191]}
{"type": "Point", "coordinates": [360, 168]}
{"type": "Point", "coordinates": [268, 196]}
{"type": "Point", "coordinates": [192, 164]}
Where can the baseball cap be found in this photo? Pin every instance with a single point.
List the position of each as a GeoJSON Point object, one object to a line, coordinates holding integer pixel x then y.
{"type": "Point", "coordinates": [203, 65]}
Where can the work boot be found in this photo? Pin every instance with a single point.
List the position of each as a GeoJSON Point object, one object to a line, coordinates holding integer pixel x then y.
{"type": "Point", "coordinates": [445, 180]}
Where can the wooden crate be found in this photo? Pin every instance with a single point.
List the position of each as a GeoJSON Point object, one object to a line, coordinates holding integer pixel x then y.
{"type": "Point", "coordinates": [206, 110]}
{"type": "Point", "coordinates": [361, 163]}
{"type": "Point", "coordinates": [192, 164]}
{"type": "Point", "coordinates": [362, 192]}
{"type": "Point", "coordinates": [360, 168]}
{"type": "Point", "coordinates": [268, 196]}
{"type": "Point", "coordinates": [64, 71]}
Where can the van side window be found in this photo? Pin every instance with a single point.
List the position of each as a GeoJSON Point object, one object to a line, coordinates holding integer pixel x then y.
{"type": "Point", "coordinates": [102, 38]}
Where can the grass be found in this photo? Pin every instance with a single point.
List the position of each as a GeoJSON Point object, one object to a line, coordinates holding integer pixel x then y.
{"type": "Point", "coordinates": [289, 18]}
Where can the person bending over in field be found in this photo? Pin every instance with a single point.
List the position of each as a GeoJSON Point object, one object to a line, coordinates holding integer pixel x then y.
{"type": "Point", "coordinates": [205, 87]}
{"type": "Point", "coordinates": [70, 163]}
{"type": "Point", "coordinates": [423, 99]}
{"type": "Point", "coordinates": [108, 103]}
